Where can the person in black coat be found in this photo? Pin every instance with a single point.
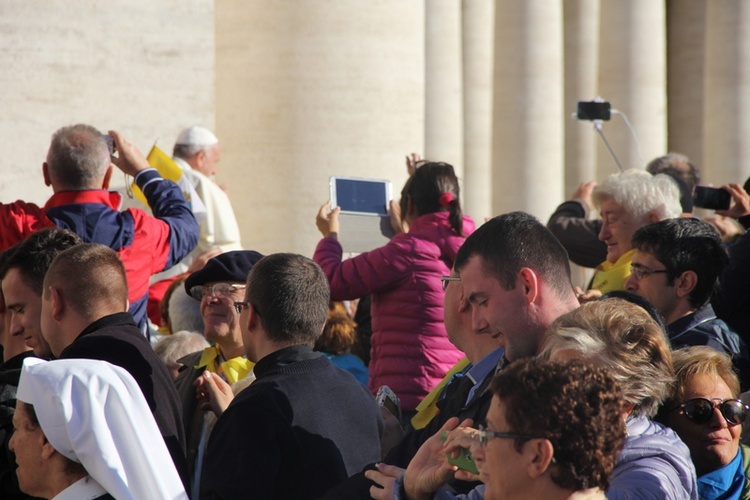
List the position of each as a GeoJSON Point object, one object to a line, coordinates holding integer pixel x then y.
{"type": "Point", "coordinates": [84, 315]}
{"type": "Point", "coordinates": [304, 425]}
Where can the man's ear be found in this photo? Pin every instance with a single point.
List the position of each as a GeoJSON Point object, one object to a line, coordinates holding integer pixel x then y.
{"type": "Point", "coordinates": [538, 455]}
{"type": "Point", "coordinates": [652, 217]}
{"type": "Point", "coordinates": [45, 174]}
{"type": "Point", "coordinates": [58, 302]}
{"type": "Point", "coordinates": [107, 178]}
{"type": "Point", "coordinates": [685, 283]}
{"type": "Point", "coordinates": [528, 279]}
{"type": "Point", "coordinates": [253, 318]}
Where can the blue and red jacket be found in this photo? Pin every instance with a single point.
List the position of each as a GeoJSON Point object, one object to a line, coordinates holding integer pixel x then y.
{"type": "Point", "coordinates": [146, 244]}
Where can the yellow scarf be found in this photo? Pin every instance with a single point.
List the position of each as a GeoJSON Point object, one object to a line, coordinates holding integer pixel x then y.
{"type": "Point", "coordinates": [232, 370]}
{"type": "Point", "coordinates": [427, 408]}
{"type": "Point", "coordinates": [610, 277]}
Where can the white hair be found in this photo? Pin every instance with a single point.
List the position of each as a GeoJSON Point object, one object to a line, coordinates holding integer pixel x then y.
{"type": "Point", "coordinates": [185, 312]}
{"type": "Point", "coordinates": [641, 193]}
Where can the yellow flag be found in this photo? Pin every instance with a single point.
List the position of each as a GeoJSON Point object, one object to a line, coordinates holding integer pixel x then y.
{"type": "Point", "coordinates": [168, 169]}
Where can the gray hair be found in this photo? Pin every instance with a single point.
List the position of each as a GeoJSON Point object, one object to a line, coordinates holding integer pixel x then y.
{"type": "Point", "coordinates": [622, 337]}
{"type": "Point", "coordinates": [185, 312]}
{"type": "Point", "coordinates": [187, 151]}
{"type": "Point", "coordinates": [78, 157]}
{"type": "Point", "coordinates": [170, 348]}
{"type": "Point", "coordinates": [641, 193]}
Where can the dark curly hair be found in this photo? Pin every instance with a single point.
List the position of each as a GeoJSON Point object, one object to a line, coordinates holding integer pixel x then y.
{"type": "Point", "coordinates": [576, 406]}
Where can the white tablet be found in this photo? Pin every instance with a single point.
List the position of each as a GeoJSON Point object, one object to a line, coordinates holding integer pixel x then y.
{"type": "Point", "coordinates": [361, 196]}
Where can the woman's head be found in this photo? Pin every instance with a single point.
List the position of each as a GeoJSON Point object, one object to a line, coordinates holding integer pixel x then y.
{"type": "Point", "coordinates": [433, 188]}
{"type": "Point", "coordinates": [623, 338]}
{"type": "Point", "coordinates": [340, 331]}
{"type": "Point", "coordinates": [698, 409]}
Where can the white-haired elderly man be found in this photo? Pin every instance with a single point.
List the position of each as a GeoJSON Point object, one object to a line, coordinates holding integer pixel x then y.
{"type": "Point", "coordinates": [627, 201]}
{"type": "Point", "coordinates": [197, 152]}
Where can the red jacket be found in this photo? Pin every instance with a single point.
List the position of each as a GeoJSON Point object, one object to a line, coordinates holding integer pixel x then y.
{"type": "Point", "coordinates": [410, 349]}
{"type": "Point", "coordinates": [146, 244]}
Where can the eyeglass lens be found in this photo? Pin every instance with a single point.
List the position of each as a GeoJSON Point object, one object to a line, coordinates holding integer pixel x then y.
{"type": "Point", "coordinates": [224, 289]}
{"type": "Point", "coordinates": [701, 410]}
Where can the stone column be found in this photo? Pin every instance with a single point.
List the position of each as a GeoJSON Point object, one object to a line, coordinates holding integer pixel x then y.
{"type": "Point", "coordinates": [581, 32]}
{"type": "Point", "coordinates": [727, 93]}
{"type": "Point", "coordinates": [632, 69]}
{"type": "Point", "coordinates": [686, 65]}
{"type": "Point", "coordinates": [306, 90]}
{"type": "Point", "coordinates": [528, 107]}
{"type": "Point", "coordinates": [478, 21]}
{"type": "Point", "coordinates": [443, 83]}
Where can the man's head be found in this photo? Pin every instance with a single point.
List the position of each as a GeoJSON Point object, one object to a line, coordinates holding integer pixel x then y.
{"type": "Point", "coordinates": [457, 319]}
{"type": "Point", "coordinates": [22, 282]}
{"type": "Point", "coordinates": [623, 338]}
{"type": "Point", "coordinates": [677, 265]}
{"type": "Point", "coordinates": [678, 165]}
{"type": "Point", "coordinates": [78, 158]}
{"type": "Point", "coordinates": [84, 283]}
{"type": "Point", "coordinates": [516, 277]}
{"type": "Point", "coordinates": [573, 426]}
{"type": "Point", "coordinates": [286, 299]}
{"type": "Point", "coordinates": [218, 285]}
{"type": "Point", "coordinates": [200, 148]}
{"type": "Point", "coordinates": [629, 200]}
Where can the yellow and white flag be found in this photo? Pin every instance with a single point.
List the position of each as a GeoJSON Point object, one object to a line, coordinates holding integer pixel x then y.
{"type": "Point", "coordinates": [168, 169]}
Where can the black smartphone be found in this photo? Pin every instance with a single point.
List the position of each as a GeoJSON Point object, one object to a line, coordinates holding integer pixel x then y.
{"type": "Point", "coordinates": [713, 198]}
{"type": "Point", "coordinates": [593, 110]}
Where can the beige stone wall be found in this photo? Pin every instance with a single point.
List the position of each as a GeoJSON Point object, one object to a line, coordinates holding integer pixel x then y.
{"type": "Point", "coordinates": [300, 90]}
{"type": "Point", "coordinates": [142, 67]}
{"type": "Point", "coordinates": [306, 90]}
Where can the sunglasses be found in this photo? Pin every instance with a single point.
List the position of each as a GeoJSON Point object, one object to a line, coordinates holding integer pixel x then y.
{"type": "Point", "coordinates": [701, 410]}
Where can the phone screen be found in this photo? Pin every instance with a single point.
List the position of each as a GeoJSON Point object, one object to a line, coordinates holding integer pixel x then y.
{"type": "Point", "coordinates": [362, 196]}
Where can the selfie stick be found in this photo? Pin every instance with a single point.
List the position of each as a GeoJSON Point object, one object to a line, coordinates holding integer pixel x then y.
{"type": "Point", "coordinates": [598, 128]}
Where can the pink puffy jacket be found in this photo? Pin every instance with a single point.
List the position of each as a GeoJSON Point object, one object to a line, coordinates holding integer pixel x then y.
{"type": "Point", "coordinates": [410, 349]}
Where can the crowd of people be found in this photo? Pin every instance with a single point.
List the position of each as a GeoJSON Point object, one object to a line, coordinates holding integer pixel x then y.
{"type": "Point", "coordinates": [146, 354]}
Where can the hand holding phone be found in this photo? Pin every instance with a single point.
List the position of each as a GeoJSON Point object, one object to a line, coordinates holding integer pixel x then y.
{"type": "Point", "coordinates": [464, 460]}
{"type": "Point", "coordinates": [712, 198]}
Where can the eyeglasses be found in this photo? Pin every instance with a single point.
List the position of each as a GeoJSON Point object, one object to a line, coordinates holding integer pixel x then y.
{"type": "Point", "coordinates": [240, 306]}
{"type": "Point", "coordinates": [219, 289]}
{"type": "Point", "coordinates": [446, 279]}
{"type": "Point", "coordinates": [700, 410]}
{"type": "Point", "coordinates": [484, 435]}
{"type": "Point", "coordinates": [641, 272]}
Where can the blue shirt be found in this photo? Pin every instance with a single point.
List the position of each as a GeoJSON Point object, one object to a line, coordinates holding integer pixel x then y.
{"type": "Point", "coordinates": [724, 483]}
{"type": "Point", "coordinates": [479, 371]}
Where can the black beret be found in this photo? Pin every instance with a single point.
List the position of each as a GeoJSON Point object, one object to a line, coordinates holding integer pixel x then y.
{"type": "Point", "coordinates": [228, 266]}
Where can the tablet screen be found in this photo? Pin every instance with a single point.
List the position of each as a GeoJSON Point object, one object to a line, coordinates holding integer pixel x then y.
{"type": "Point", "coordinates": [360, 196]}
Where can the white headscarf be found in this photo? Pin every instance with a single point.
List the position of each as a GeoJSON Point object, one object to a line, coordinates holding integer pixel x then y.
{"type": "Point", "coordinates": [94, 413]}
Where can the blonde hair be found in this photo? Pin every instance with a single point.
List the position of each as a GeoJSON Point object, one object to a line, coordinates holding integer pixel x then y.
{"type": "Point", "coordinates": [699, 360]}
{"type": "Point", "coordinates": [623, 338]}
